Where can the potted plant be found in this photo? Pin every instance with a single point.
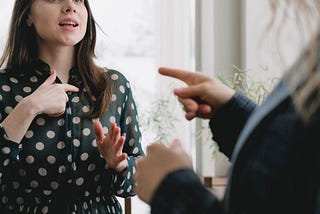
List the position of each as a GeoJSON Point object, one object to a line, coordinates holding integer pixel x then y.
{"type": "Point", "coordinates": [160, 118]}
{"type": "Point", "coordinates": [256, 89]}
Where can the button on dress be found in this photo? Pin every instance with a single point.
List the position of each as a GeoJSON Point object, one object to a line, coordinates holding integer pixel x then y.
{"type": "Point", "coordinates": [57, 167]}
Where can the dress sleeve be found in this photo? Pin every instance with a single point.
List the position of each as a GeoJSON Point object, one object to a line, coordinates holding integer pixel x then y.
{"type": "Point", "coordinates": [9, 151]}
{"type": "Point", "coordinates": [227, 124]}
{"type": "Point", "coordinates": [182, 192]}
{"type": "Point", "coordinates": [125, 184]}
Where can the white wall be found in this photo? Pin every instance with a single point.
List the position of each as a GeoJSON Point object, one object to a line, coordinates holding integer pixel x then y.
{"type": "Point", "coordinates": [267, 52]}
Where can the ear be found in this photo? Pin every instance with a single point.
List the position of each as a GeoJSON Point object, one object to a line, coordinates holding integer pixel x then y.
{"type": "Point", "coordinates": [29, 21]}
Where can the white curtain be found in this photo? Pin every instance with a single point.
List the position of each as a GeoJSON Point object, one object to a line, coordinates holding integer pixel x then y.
{"type": "Point", "coordinates": [174, 43]}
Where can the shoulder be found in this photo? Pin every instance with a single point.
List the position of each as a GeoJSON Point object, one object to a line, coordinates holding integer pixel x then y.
{"type": "Point", "coordinates": [120, 84]}
{"type": "Point", "coordinates": [115, 75]}
{"type": "Point", "coordinates": [117, 78]}
{"type": "Point", "coordinates": [11, 76]}
{"type": "Point", "coordinates": [3, 71]}
{"type": "Point", "coordinates": [4, 76]}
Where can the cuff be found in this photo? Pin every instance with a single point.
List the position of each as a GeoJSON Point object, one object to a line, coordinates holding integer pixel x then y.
{"type": "Point", "coordinates": [8, 147]}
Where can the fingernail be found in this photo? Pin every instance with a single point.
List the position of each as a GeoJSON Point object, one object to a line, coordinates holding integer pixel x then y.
{"type": "Point", "coordinates": [177, 90]}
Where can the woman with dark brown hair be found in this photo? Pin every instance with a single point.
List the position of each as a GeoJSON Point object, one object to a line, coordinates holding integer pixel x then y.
{"type": "Point", "coordinates": [56, 105]}
{"type": "Point", "coordinates": [274, 148]}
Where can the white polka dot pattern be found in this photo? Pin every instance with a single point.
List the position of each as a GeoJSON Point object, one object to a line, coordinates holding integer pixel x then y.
{"type": "Point", "coordinates": [60, 152]}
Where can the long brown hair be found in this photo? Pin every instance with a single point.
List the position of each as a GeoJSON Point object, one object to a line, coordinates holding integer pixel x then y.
{"type": "Point", "coordinates": [21, 50]}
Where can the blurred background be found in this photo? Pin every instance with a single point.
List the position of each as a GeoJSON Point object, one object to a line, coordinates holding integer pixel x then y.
{"type": "Point", "coordinates": [212, 36]}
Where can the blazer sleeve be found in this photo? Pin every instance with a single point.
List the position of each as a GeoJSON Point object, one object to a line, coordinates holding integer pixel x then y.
{"type": "Point", "coordinates": [182, 192]}
{"type": "Point", "coordinates": [227, 123]}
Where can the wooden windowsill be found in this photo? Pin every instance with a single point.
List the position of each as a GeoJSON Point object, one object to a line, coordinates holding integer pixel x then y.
{"type": "Point", "coordinates": [215, 181]}
{"type": "Point", "coordinates": [127, 205]}
{"type": "Point", "coordinates": [216, 184]}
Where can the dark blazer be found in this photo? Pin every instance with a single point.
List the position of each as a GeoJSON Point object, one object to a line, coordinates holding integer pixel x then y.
{"type": "Point", "coordinates": [275, 162]}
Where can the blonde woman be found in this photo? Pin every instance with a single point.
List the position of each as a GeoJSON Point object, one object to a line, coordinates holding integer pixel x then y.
{"type": "Point", "coordinates": [274, 148]}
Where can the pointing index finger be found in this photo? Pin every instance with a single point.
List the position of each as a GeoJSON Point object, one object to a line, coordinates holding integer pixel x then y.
{"type": "Point", "coordinates": [51, 79]}
{"type": "Point", "coordinates": [71, 88]}
{"type": "Point", "coordinates": [182, 75]}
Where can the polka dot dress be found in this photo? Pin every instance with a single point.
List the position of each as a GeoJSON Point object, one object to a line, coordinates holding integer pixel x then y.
{"type": "Point", "coordinates": [57, 167]}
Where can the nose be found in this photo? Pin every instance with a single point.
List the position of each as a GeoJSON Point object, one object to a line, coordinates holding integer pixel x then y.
{"type": "Point", "coordinates": [70, 10]}
{"type": "Point", "coordinates": [69, 7]}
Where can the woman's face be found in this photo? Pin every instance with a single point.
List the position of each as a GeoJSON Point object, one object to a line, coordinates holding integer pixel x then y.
{"type": "Point", "coordinates": [59, 22]}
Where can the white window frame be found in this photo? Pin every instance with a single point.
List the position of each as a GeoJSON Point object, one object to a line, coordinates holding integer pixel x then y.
{"type": "Point", "coordinates": [220, 44]}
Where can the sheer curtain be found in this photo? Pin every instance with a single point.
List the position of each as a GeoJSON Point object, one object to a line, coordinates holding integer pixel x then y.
{"type": "Point", "coordinates": [139, 36]}
{"type": "Point", "coordinates": [174, 43]}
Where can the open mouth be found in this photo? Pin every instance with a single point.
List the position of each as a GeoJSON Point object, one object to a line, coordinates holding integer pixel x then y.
{"type": "Point", "coordinates": [73, 24]}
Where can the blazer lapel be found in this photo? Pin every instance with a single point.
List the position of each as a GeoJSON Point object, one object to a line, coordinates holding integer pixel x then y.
{"type": "Point", "coordinates": [280, 93]}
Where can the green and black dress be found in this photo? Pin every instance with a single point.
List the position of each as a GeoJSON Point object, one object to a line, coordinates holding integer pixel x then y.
{"type": "Point", "coordinates": [57, 167]}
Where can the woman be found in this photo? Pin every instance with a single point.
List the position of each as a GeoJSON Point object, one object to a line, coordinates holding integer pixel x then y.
{"type": "Point", "coordinates": [275, 148]}
{"type": "Point", "coordinates": [55, 106]}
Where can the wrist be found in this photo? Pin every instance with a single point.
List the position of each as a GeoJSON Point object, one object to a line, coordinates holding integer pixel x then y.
{"type": "Point", "coordinates": [30, 107]}
{"type": "Point", "coordinates": [122, 168]}
{"type": "Point", "coordinates": [123, 171]}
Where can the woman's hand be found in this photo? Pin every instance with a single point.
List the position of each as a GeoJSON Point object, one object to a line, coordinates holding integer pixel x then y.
{"type": "Point", "coordinates": [203, 95]}
{"type": "Point", "coordinates": [111, 145]}
{"type": "Point", "coordinates": [50, 98]}
{"type": "Point", "coordinates": [156, 165]}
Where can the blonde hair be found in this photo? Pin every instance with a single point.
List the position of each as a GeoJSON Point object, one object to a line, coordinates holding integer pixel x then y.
{"type": "Point", "coordinates": [304, 76]}
{"type": "Point", "coordinates": [304, 80]}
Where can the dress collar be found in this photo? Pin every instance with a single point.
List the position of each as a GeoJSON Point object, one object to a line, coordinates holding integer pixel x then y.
{"type": "Point", "coordinates": [42, 68]}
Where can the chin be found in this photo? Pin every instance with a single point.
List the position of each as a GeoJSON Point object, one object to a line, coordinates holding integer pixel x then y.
{"type": "Point", "coordinates": [72, 42]}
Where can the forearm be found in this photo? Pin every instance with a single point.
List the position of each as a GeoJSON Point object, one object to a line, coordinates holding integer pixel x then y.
{"type": "Point", "coordinates": [182, 192]}
{"type": "Point", "coordinates": [125, 185]}
{"type": "Point", "coordinates": [18, 121]}
{"type": "Point", "coordinates": [227, 124]}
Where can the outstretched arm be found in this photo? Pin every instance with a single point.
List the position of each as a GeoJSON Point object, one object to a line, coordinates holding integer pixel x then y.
{"type": "Point", "coordinates": [203, 95]}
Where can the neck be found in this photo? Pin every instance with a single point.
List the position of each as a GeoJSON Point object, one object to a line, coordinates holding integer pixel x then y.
{"type": "Point", "coordinates": [59, 58]}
